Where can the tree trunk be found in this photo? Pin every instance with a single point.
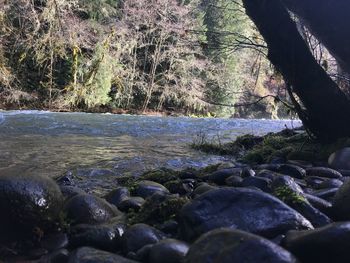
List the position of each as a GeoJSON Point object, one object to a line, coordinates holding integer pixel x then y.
{"type": "Point", "coordinates": [327, 109]}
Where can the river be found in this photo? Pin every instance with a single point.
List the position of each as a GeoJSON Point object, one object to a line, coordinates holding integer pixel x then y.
{"type": "Point", "coordinates": [51, 144]}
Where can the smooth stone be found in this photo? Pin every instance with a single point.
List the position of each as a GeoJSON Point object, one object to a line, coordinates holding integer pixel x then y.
{"type": "Point", "coordinates": [105, 237]}
{"type": "Point", "coordinates": [344, 172]}
{"type": "Point", "coordinates": [331, 183]}
{"type": "Point", "coordinates": [169, 250]}
{"type": "Point", "coordinates": [219, 177]}
{"type": "Point", "coordinates": [341, 202]}
{"type": "Point", "coordinates": [132, 203]}
{"type": "Point", "coordinates": [92, 255]}
{"type": "Point", "coordinates": [340, 159]}
{"type": "Point", "coordinates": [300, 163]}
{"type": "Point", "coordinates": [319, 203]}
{"type": "Point", "coordinates": [323, 245]}
{"type": "Point", "coordinates": [169, 227]}
{"type": "Point", "coordinates": [69, 191]}
{"type": "Point", "coordinates": [147, 188]}
{"type": "Point", "coordinates": [181, 187]}
{"type": "Point", "coordinates": [247, 172]}
{"type": "Point", "coordinates": [314, 182]}
{"type": "Point", "coordinates": [28, 203]}
{"type": "Point", "coordinates": [89, 209]}
{"type": "Point", "coordinates": [140, 235]}
{"type": "Point", "coordinates": [227, 246]}
{"type": "Point", "coordinates": [292, 170]}
{"type": "Point", "coordinates": [118, 195]}
{"type": "Point", "coordinates": [239, 208]}
{"type": "Point", "coordinates": [267, 174]}
{"type": "Point", "coordinates": [203, 188]}
{"type": "Point", "coordinates": [234, 180]}
{"type": "Point", "coordinates": [323, 172]}
{"type": "Point", "coordinates": [327, 194]}
{"type": "Point", "coordinates": [54, 241]}
{"type": "Point", "coordinates": [263, 184]}
{"type": "Point", "coordinates": [270, 167]}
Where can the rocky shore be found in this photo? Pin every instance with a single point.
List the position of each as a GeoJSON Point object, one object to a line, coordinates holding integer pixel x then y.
{"type": "Point", "coordinates": [282, 211]}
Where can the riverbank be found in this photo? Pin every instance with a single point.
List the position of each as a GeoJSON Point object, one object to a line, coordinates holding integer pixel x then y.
{"type": "Point", "coordinates": [283, 210]}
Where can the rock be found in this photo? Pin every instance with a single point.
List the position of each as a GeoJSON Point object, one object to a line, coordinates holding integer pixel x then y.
{"type": "Point", "coordinates": [341, 202]}
{"type": "Point", "coordinates": [263, 184]}
{"type": "Point", "coordinates": [134, 203]}
{"type": "Point", "coordinates": [319, 203]}
{"type": "Point", "coordinates": [326, 194]}
{"type": "Point", "coordinates": [220, 176]}
{"type": "Point", "coordinates": [117, 196]}
{"type": "Point", "coordinates": [106, 237]}
{"type": "Point", "coordinates": [239, 208]}
{"type": "Point", "coordinates": [344, 173]}
{"type": "Point", "coordinates": [181, 187]}
{"type": "Point", "coordinates": [28, 203]}
{"type": "Point", "coordinates": [169, 227]}
{"type": "Point", "coordinates": [267, 174]}
{"type": "Point", "coordinates": [322, 245]}
{"type": "Point", "coordinates": [92, 255]}
{"type": "Point", "coordinates": [169, 250]}
{"type": "Point", "coordinates": [314, 182]}
{"type": "Point", "coordinates": [323, 172]}
{"type": "Point", "coordinates": [247, 172]}
{"type": "Point", "coordinates": [292, 170]}
{"type": "Point", "coordinates": [227, 245]}
{"type": "Point", "coordinates": [234, 180]}
{"type": "Point", "coordinates": [203, 188]}
{"type": "Point", "coordinates": [54, 241]}
{"type": "Point", "coordinates": [69, 191]}
{"type": "Point", "coordinates": [140, 235]}
{"type": "Point", "coordinates": [340, 159]}
{"type": "Point", "coordinates": [148, 188]}
{"type": "Point", "coordinates": [331, 183]}
{"type": "Point", "coordinates": [89, 209]}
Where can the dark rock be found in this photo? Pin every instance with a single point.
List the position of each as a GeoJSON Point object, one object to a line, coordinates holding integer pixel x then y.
{"type": "Point", "coordinates": [118, 195]}
{"type": "Point", "coordinates": [341, 202]}
{"type": "Point", "coordinates": [54, 241]}
{"type": "Point", "coordinates": [239, 208]}
{"type": "Point", "coordinates": [345, 173]}
{"type": "Point", "coordinates": [314, 182]}
{"type": "Point", "coordinates": [326, 194]}
{"type": "Point", "coordinates": [148, 188]}
{"type": "Point", "coordinates": [322, 245]}
{"type": "Point", "coordinates": [267, 174]}
{"type": "Point", "coordinates": [227, 245]}
{"type": "Point", "coordinates": [270, 167]}
{"type": "Point", "coordinates": [319, 203]}
{"type": "Point", "coordinates": [59, 256]}
{"type": "Point", "coordinates": [340, 159]}
{"type": "Point", "coordinates": [169, 227]}
{"type": "Point", "coordinates": [187, 175]}
{"type": "Point", "coordinates": [234, 180]}
{"type": "Point", "coordinates": [278, 160]}
{"type": "Point", "coordinates": [220, 176]}
{"type": "Point", "coordinates": [134, 203]}
{"type": "Point", "coordinates": [169, 250]}
{"type": "Point", "coordinates": [67, 179]}
{"type": "Point", "coordinates": [92, 255]}
{"type": "Point", "coordinates": [292, 170]}
{"type": "Point", "coordinates": [263, 184]}
{"type": "Point", "coordinates": [300, 163]}
{"type": "Point", "coordinates": [140, 235]}
{"type": "Point", "coordinates": [89, 209]}
{"type": "Point", "coordinates": [331, 183]}
{"type": "Point", "coordinates": [106, 237]}
{"type": "Point", "coordinates": [323, 172]}
{"type": "Point", "coordinates": [180, 187]}
{"type": "Point", "coordinates": [247, 172]}
{"type": "Point", "coordinates": [28, 203]}
{"type": "Point", "coordinates": [203, 188]}
{"type": "Point", "coordinates": [69, 191]}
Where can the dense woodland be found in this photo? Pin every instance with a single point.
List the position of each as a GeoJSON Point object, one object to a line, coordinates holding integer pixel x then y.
{"type": "Point", "coordinates": [194, 57]}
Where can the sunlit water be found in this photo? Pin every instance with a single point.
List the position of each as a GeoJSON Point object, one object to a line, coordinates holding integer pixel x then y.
{"type": "Point", "coordinates": [33, 142]}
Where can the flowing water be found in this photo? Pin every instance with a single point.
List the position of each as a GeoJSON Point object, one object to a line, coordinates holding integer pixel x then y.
{"type": "Point", "coordinates": [34, 142]}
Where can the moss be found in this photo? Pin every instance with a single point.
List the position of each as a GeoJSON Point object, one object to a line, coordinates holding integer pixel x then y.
{"type": "Point", "coordinates": [288, 196]}
{"type": "Point", "coordinates": [155, 212]}
{"type": "Point", "coordinates": [160, 176]}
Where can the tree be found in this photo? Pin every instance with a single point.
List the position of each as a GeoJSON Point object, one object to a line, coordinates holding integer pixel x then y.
{"type": "Point", "coordinates": [321, 104]}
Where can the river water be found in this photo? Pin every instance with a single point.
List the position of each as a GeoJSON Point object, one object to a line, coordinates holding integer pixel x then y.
{"type": "Point", "coordinates": [35, 142]}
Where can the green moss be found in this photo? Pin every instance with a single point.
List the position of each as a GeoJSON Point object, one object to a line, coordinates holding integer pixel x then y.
{"type": "Point", "coordinates": [287, 195]}
{"type": "Point", "coordinates": [157, 212]}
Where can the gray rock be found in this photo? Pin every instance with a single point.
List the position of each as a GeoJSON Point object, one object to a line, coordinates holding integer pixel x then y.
{"type": "Point", "coordinates": [28, 202]}
{"type": "Point", "coordinates": [331, 183]}
{"type": "Point", "coordinates": [134, 202]}
{"type": "Point", "coordinates": [219, 177]}
{"type": "Point", "coordinates": [69, 191]}
{"type": "Point", "coordinates": [203, 188]}
{"type": "Point", "coordinates": [327, 194]}
{"type": "Point", "coordinates": [322, 245]}
{"type": "Point", "coordinates": [340, 159]}
{"type": "Point", "coordinates": [292, 170]}
{"type": "Point", "coordinates": [323, 172]}
{"type": "Point", "coordinates": [117, 196]}
{"type": "Point", "coordinates": [319, 203]}
{"type": "Point", "coordinates": [140, 235]}
{"type": "Point", "coordinates": [89, 209]}
{"type": "Point", "coordinates": [147, 188]}
{"type": "Point", "coordinates": [169, 250]}
{"type": "Point", "coordinates": [234, 180]}
{"type": "Point", "coordinates": [227, 246]}
{"type": "Point", "coordinates": [92, 255]}
{"type": "Point", "coordinates": [239, 208]}
{"type": "Point", "coordinates": [263, 184]}
{"type": "Point", "coordinates": [341, 202]}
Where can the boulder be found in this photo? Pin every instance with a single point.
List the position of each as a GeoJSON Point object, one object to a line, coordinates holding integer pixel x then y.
{"type": "Point", "coordinates": [340, 159]}
{"type": "Point", "coordinates": [219, 177]}
{"type": "Point", "coordinates": [323, 172]}
{"type": "Point", "coordinates": [28, 203]}
{"type": "Point", "coordinates": [117, 196]}
{"type": "Point", "coordinates": [263, 184]}
{"type": "Point", "coordinates": [227, 245]}
{"type": "Point", "coordinates": [341, 202]}
{"type": "Point", "coordinates": [168, 250]}
{"type": "Point", "coordinates": [292, 170]}
{"type": "Point", "coordinates": [239, 208]}
{"type": "Point", "coordinates": [322, 245]}
{"type": "Point", "coordinates": [89, 209]}
{"type": "Point", "coordinates": [147, 188]}
{"type": "Point", "coordinates": [89, 255]}
{"type": "Point", "coordinates": [140, 235]}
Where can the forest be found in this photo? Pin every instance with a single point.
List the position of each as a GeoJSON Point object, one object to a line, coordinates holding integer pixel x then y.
{"type": "Point", "coordinates": [195, 57]}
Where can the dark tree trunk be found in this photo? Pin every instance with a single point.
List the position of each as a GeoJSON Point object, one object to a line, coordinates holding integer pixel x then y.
{"type": "Point", "coordinates": [327, 109]}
